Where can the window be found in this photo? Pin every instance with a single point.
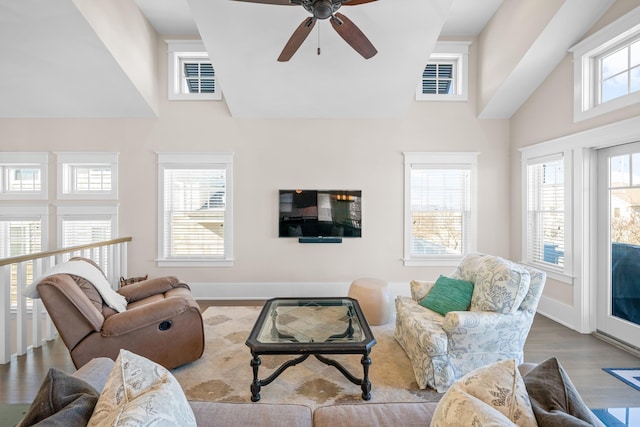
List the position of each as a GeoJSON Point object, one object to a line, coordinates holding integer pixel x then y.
{"type": "Point", "coordinates": [445, 77]}
{"type": "Point", "coordinates": [81, 225]}
{"type": "Point", "coordinates": [440, 207]}
{"type": "Point", "coordinates": [195, 207]}
{"type": "Point", "coordinates": [545, 210]}
{"type": "Point", "coordinates": [23, 230]}
{"type": "Point", "coordinates": [191, 74]}
{"type": "Point", "coordinates": [607, 68]}
{"type": "Point", "coordinates": [23, 175]}
{"type": "Point", "coordinates": [619, 71]}
{"type": "Point", "coordinates": [87, 175]}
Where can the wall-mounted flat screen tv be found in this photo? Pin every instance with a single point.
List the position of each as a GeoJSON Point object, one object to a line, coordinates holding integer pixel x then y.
{"type": "Point", "coordinates": [320, 213]}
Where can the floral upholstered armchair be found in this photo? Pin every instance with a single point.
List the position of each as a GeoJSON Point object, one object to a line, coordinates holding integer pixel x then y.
{"type": "Point", "coordinates": [445, 345]}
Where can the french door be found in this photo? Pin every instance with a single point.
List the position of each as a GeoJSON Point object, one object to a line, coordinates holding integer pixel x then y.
{"type": "Point", "coordinates": [618, 247]}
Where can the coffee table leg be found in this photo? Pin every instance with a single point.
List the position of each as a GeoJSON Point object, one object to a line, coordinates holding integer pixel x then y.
{"type": "Point", "coordinates": [366, 384]}
{"type": "Point", "coordinates": [255, 385]}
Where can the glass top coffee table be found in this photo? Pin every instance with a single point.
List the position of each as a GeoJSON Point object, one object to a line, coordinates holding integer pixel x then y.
{"type": "Point", "coordinates": [311, 326]}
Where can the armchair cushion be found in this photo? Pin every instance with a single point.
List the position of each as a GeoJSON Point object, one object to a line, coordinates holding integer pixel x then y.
{"type": "Point", "coordinates": [448, 295]}
{"type": "Point", "coordinates": [500, 285]}
{"type": "Point", "coordinates": [420, 289]}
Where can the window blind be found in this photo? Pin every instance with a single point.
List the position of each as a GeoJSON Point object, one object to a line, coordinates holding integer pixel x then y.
{"type": "Point", "coordinates": [19, 237]}
{"type": "Point", "coordinates": [546, 211]}
{"type": "Point", "coordinates": [194, 212]}
{"type": "Point", "coordinates": [440, 210]}
{"type": "Point", "coordinates": [84, 231]}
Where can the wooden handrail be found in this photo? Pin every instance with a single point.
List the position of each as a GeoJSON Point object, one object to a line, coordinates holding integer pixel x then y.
{"type": "Point", "coordinates": [22, 258]}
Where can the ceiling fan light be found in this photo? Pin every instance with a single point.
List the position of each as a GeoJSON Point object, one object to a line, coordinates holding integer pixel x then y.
{"type": "Point", "coordinates": [322, 9]}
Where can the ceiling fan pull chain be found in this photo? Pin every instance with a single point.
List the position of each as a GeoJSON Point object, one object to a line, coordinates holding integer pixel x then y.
{"type": "Point", "coordinates": [319, 39]}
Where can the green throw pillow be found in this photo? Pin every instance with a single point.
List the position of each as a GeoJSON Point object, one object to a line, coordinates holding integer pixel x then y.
{"type": "Point", "coordinates": [448, 295]}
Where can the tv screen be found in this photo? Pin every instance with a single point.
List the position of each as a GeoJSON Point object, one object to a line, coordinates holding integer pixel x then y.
{"type": "Point", "coordinates": [320, 213]}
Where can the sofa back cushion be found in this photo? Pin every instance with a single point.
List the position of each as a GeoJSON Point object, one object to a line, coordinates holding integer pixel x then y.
{"type": "Point", "coordinates": [499, 285]}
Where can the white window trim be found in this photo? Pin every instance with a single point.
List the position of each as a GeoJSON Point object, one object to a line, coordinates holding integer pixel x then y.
{"type": "Point", "coordinates": [585, 72]}
{"type": "Point", "coordinates": [457, 51]}
{"type": "Point", "coordinates": [468, 159]}
{"type": "Point", "coordinates": [583, 146]}
{"type": "Point", "coordinates": [80, 213]}
{"type": "Point", "coordinates": [564, 273]}
{"type": "Point", "coordinates": [39, 158]}
{"type": "Point", "coordinates": [168, 160]}
{"type": "Point", "coordinates": [110, 159]}
{"type": "Point", "coordinates": [179, 50]}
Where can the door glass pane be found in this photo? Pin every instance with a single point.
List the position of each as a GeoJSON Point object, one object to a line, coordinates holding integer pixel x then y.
{"type": "Point", "coordinates": [624, 202]}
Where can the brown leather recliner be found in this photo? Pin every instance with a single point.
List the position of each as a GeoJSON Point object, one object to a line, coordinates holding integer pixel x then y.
{"type": "Point", "coordinates": [162, 321]}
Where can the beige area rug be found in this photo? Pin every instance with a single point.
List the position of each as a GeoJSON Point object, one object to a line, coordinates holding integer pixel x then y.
{"type": "Point", "coordinates": [224, 374]}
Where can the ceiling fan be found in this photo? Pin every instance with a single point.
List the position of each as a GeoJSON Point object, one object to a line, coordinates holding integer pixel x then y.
{"type": "Point", "coordinates": [324, 9]}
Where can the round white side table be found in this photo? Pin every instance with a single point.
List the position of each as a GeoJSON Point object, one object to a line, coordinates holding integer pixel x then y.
{"type": "Point", "coordinates": [374, 298]}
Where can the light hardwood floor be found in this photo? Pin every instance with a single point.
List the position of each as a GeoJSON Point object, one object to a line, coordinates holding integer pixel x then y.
{"type": "Point", "coordinates": [582, 356]}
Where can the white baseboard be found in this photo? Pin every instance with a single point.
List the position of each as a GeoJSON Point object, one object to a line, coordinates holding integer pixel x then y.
{"type": "Point", "coordinates": [558, 312]}
{"type": "Point", "coordinates": [263, 291]}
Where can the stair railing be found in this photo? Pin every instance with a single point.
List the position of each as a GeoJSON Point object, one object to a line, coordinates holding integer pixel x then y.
{"type": "Point", "coordinates": [24, 322]}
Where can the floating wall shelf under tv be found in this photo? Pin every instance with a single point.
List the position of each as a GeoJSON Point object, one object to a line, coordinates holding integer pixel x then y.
{"type": "Point", "coordinates": [320, 216]}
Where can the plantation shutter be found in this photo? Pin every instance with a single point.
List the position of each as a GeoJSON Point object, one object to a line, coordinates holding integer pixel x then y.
{"type": "Point", "coordinates": [194, 212]}
{"type": "Point", "coordinates": [440, 209]}
{"type": "Point", "coordinates": [545, 210]}
{"type": "Point", "coordinates": [22, 179]}
{"type": "Point", "coordinates": [89, 178]}
{"type": "Point", "coordinates": [199, 77]}
{"type": "Point", "coordinates": [437, 78]}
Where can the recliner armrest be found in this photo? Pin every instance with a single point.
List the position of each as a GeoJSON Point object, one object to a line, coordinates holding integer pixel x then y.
{"type": "Point", "coordinates": [143, 316]}
{"type": "Point", "coordinates": [147, 288]}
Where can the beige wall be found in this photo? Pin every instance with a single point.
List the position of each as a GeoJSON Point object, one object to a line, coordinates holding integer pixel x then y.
{"type": "Point", "coordinates": [274, 154]}
{"type": "Point", "coordinates": [547, 115]}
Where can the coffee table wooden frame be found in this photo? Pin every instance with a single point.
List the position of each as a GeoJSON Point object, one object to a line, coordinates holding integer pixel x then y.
{"type": "Point", "coordinates": [334, 345]}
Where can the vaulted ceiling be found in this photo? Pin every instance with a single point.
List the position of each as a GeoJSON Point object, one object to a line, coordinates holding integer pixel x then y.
{"type": "Point", "coordinates": [88, 58]}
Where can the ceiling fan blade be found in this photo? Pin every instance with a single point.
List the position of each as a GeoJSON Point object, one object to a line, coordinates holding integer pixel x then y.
{"type": "Point", "coordinates": [278, 2]}
{"type": "Point", "coordinates": [355, 2]}
{"type": "Point", "coordinates": [296, 39]}
{"type": "Point", "coordinates": [352, 35]}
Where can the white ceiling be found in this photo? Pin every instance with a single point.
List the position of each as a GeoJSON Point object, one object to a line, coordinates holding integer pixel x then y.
{"type": "Point", "coordinates": [174, 18]}
{"type": "Point", "coordinates": [244, 40]}
{"type": "Point", "coordinates": [54, 64]}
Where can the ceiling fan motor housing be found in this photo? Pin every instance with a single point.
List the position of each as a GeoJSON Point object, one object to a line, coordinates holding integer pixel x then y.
{"type": "Point", "coordinates": [321, 9]}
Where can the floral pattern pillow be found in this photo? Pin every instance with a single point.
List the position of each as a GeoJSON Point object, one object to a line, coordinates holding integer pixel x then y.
{"type": "Point", "coordinates": [139, 392]}
{"type": "Point", "coordinates": [499, 285]}
{"type": "Point", "coordinates": [501, 389]}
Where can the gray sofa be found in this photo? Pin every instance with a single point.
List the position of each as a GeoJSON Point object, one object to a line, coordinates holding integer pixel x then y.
{"type": "Point", "coordinates": [96, 372]}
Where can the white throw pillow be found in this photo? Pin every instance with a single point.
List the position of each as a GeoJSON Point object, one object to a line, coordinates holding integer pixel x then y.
{"type": "Point", "coordinates": [87, 271]}
{"type": "Point", "coordinates": [499, 386]}
{"type": "Point", "coordinates": [141, 392]}
{"type": "Point", "coordinates": [459, 408]}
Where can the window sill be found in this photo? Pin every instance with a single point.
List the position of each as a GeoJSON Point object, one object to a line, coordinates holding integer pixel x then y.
{"type": "Point", "coordinates": [559, 276]}
{"type": "Point", "coordinates": [432, 262]}
{"type": "Point", "coordinates": [195, 262]}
